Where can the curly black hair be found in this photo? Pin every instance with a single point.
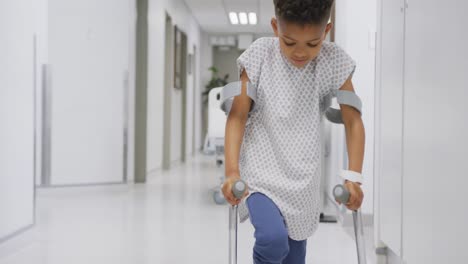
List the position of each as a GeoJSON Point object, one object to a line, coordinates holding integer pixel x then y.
{"type": "Point", "coordinates": [304, 12]}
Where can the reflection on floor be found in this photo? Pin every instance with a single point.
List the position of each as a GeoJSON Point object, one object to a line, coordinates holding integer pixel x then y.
{"type": "Point", "coordinates": [171, 219]}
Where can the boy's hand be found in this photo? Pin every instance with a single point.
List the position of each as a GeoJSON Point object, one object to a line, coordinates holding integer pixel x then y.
{"type": "Point", "coordinates": [356, 195]}
{"type": "Point", "coordinates": [227, 189]}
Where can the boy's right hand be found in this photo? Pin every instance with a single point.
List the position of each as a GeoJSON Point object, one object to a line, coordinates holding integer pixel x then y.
{"type": "Point", "coordinates": [227, 189]}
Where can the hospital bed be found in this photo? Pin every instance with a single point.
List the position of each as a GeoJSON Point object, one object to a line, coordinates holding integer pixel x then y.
{"type": "Point", "coordinates": [214, 141]}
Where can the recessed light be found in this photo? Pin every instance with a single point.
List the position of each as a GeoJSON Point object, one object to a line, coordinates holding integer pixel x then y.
{"type": "Point", "coordinates": [243, 18]}
{"type": "Point", "coordinates": [252, 18]}
{"type": "Point", "coordinates": [233, 18]}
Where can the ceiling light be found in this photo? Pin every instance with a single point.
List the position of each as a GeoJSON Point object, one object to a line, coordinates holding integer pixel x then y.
{"type": "Point", "coordinates": [234, 19]}
{"type": "Point", "coordinates": [252, 18]}
{"type": "Point", "coordinates": [243, 18]}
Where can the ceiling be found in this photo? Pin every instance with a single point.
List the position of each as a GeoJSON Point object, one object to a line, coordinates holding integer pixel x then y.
{"type": "Point", "coordinates": [212, 15]}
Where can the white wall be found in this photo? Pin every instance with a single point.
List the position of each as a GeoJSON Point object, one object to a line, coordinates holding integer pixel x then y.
{"type": "Point", "coordinates": [193, 39]}
{"type": "Point", "coordinates": [389, 125]}
{"type": "Point", "coordinates": [48, 24]}
{"type": "Point", "coordinates": [41, 32]}
{"type": "Point", "coordinates": [16, 116]}
{"type": "Point", "coordinates": [355, 24]}
{"type": "Point", "coordinates": [191, 78]}
{"type": "Point", "coordinates": [427, 97]}
{"type": "Point", "coordinates": [435, 143]}
{"type": "Point", "coordinates": [206, 61]}
{"type": "Point", "coordinates": [181, 16]}
{"type": "Point", "coordinates": [89, 53]}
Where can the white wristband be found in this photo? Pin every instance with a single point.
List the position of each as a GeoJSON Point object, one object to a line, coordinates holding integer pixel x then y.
{"type": "Point", "coordinates": [351, 176]}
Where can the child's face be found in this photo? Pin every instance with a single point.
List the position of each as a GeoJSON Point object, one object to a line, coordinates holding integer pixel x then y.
{"type": "Point", "coordinates": [300, 44]}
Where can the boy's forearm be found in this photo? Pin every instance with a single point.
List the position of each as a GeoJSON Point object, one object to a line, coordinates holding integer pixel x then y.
{"type": "Point", "coordinates": [355, 141]}
{"type": "Point", "coordinates": [235, 127]}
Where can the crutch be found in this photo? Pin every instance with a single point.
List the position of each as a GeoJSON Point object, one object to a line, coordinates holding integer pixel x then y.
{"type": "Point", "coordinates": [238, 190]}
{"type": "Point", "coordinates": [342, 195]}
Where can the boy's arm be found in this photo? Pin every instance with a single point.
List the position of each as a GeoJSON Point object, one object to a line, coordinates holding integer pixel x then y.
{"type": "Point", "coordinates": [355, 141]}
{"type": "Point", "coordinates": [355, 134]}
{"type": "Point", "coordinates": [235, 126]}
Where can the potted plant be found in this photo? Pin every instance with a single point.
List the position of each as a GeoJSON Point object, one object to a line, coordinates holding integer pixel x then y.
{"type": "Point", "coordinates": [215, 82]}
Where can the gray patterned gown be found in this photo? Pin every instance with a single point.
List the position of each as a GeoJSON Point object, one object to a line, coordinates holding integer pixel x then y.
{"type": "Point", "coordinates": [280, 152]}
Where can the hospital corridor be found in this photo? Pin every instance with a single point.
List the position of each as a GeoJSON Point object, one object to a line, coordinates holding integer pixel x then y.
{"type": "Point", "coordinates": [233, 131]}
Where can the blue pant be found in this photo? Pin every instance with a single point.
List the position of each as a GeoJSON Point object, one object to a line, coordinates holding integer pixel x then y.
{"type": "Point", "coordinates": [272, 243]}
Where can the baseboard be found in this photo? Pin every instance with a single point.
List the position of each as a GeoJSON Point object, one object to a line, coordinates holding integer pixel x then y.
{"type": "Point", "coordinates": [14, 234]}
{"type": "Point", "coordinates": [159, 170]}
{"type": "Point", "coordinates": [153, 172]}
{"type": "Point", "coordinates": [393, 258]}
{"type": "Point", "coordinates": [56, 186]}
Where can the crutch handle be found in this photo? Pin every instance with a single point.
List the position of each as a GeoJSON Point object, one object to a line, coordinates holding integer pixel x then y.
{"type": "Point", "coordinates": [341, 194]}
{"type": "Point", "coordinates": [239, 188]}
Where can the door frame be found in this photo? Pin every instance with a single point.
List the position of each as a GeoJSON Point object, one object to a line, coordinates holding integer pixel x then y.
{"type": "Point", "coordinates": [195, 93]}
{"type": "Point", "coordinates": [168, 84]}
{"type": "Point", "coordinates": [141, 91]}
{"type": "Point", "coordinates": [184, 75]}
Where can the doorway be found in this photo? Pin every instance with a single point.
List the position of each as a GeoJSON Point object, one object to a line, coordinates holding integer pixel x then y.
{"type": "Point", "coordinates": [168, 84]}
{"type": "Point", "coordinates": [141, 93]}
{"type": "Point", "coordinates": [183, 68]}
{"type": "Point", "coordinates": [193, 65]}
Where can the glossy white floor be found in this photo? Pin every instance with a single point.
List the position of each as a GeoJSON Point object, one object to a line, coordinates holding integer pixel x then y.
{"type": "Point", "coordinates": [171, 219]}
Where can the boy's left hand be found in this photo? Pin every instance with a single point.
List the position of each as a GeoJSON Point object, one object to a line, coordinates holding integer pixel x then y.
{"type": "Point", "coordinates": [356, 195]}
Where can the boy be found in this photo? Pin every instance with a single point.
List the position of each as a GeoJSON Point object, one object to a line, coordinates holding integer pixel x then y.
{"type": "Point", "coordinates": [272, 132]}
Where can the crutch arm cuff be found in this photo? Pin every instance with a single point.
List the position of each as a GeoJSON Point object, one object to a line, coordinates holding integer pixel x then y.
{"type": "Point", "coordinates": [343, 97]}
{"type": "Point", "coordinates": [234, 89]}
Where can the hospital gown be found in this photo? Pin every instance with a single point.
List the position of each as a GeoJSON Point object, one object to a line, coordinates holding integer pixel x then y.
{"type": "Point", "coordinates": [280, 154]}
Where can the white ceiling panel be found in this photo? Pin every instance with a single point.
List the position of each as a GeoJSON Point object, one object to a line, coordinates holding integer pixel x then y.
{"type": "Point", "coordinates": [241, 5]}
{"type": "Point", "coordinates": [267, 11]}
{"type": "Point", "coordinates": [212, 15]}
